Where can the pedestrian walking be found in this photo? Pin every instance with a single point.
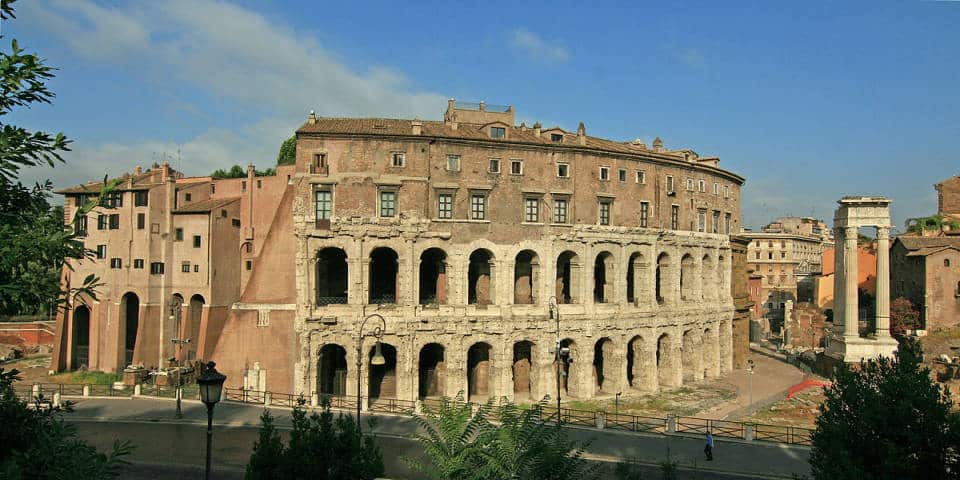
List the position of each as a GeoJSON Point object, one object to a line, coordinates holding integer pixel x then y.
{"type": "Point", "coordinates": [708, 449]}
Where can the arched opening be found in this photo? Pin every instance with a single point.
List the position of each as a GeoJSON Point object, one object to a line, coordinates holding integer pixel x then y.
{"type": "Point", "coordinates": [640, 373]}
{"type": "Point", "coordinates": [384, 288]}
{"type": "Point", "coordinates": [568, 277]}
{"type": "Point", "coordinates": [666, 374]}
{"type": "Point", "coordinates": [689, 351]}
{"type": "Point", "coordinates": [603, 278]}
{"type": "Point", "coordinates": [194, 318]}
{"type": "Point", "coordinates": [662, 283]}
{"type": "Point", "coordinates": [332, 367]}
{"type": "Point", "coordinates": [603, 365]}
{"type": "Point", "coordinates": [687, 277]}
{"type": "Point", "coordinates": [383, 378]}
{"type": "Point", "coordinates": [130, 308]}
{"type": "Point", "coordinates": [523, 369]}
{"type": "Point", "coordinates": [480, 278]}
{"type": "Point", "coordinates": [331, 279]}
{"type": "Point", "coordinates": [709, 287]}
{"type": "Point", "coordinates": [81, 338]}
{"type": "Point", "coordinates": [710, 365]}
{"type": "Point", "coordinates": [479, 371]}
{"type": "Point", "coordinates": [567, 369]}
{"type": "Point", "coordinates": [722, 277]}
{"type": "Point", "coordinates": [432, 371]}
{"type": "Point", "coordinates": [526, 272]}
{"type": "Point", "coordinates": [433, 277]}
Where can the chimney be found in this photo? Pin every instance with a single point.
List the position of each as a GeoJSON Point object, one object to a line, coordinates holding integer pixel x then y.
{"type": "Point", "coordinates": [417, 126]}
{"type": "Point", "coordinates": [657, 145]}
{"type": "Point", "coordinates": [523, 126]}
{"type": "Point", "coordinates": [165, 172]}
{"type": "Point", "coordinates": [251, 171]}
{"type": "Point", "coordinates": [137, 170]}
{"type": "Point", "coordinates": [312, 118]}
{"type": "Point", "coordinates": [483, 106]}
{"type": "Point", "coordinates": [582, 134]}
{"type": "Point", "coordinates": [536, 129]}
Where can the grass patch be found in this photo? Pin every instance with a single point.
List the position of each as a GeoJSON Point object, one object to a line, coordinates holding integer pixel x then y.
{"type": "Point", "coordinates": [86, 377]}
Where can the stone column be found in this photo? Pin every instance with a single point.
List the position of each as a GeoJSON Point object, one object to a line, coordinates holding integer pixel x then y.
{"type": "Point", "coordinates": [882, 324]}
{"type": "Point", "coordinates": [851, 310]}
{"type": "Point", "coordinates": [838, 266]}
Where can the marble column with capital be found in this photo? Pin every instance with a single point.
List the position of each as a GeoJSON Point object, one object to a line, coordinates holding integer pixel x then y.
{"type": "Point", "coordinates": [851, 310]}
{"type": "Point", "coordinates": [882, 324]}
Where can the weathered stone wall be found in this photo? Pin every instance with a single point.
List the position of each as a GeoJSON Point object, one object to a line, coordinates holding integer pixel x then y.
{"type": "Point", "coordinates": [740, 290]}
{"type": "Point", "coordinates": [948, 196]}
{"type": "Point", "coordinates": [805, 328]}
{"type": "Point", "coordinates": [942, 303]}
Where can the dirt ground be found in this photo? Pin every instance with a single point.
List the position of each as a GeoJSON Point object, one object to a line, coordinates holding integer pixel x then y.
{"type": "Point", "coordinates": [800, 411]}
{"type": "Point", "coordinates": [36, 369]}
{"type": "Point", "coordinates": [947, 343]}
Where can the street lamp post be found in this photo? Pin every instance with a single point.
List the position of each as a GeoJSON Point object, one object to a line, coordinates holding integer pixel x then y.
{"type": "Point", "coordinates": [210, 383]}
{"type": "Point", "coordinates": [377, 354]}
{"type": "Point", "coordinates": [560, 354]}
{"type": "Point", "coordinates": [616, 404]}
{"type": "Point", "coordinates": [750, 371]}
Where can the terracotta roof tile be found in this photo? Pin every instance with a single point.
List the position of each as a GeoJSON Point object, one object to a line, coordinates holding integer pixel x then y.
{"type": "Point", "coordinates": [927, 245]}
{"type": "Point", "coordinates": [206, 205]}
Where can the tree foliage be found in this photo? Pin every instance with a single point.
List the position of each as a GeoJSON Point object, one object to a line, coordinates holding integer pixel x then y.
{"type": "Point", "coordinates": [237, 171]}
{"type": "Point", "coordinates": [319, 447]}
{"type": "Point", "coordinates": [933, 223]}
{"type": "Point", "coordinates": [462, 444]}
{"type": "Point", "coordinates": [36, 443]}
{"type": "Point", "coordinates": [903, 317]}
{"type": "Point", "coordinates": [886, 419]}
{"type": "Point", "coordinates": [288, 152]}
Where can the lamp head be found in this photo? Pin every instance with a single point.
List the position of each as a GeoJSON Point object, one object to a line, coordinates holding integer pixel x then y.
{"type": "Point", "coordinates": [377, 356]}
{"type": "Point", "coordinates": [211, 384]}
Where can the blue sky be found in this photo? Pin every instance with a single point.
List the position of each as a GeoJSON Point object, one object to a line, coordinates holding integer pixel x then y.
{"type": "Point", "coordinates": [809, 101]}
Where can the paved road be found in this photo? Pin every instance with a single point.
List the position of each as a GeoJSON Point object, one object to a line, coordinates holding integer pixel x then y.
{"type": "Point", "coordinates": [770, 379]}
{"type": "Point", "coordinates": [160, 439]}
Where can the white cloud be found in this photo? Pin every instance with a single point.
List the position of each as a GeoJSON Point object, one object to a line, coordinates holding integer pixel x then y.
{"type": "Point", "coordinates": [228, 52]}
{"type": "Point", "coordinates": [531, 44]}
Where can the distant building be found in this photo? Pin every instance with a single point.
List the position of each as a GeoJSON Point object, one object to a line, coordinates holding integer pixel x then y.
{"type": "Point", "coordinates": [926, 270]}
{"type": "Point", "coordinates": [948, 197]}
{"type": "Point", "coordinates": [866, 275]}
{"type": "Point", "coordinates": [787, 255]}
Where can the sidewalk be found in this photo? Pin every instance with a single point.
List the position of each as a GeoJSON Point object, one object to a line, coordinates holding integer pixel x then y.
{"type": "Point", "coordinates": [149, 423]}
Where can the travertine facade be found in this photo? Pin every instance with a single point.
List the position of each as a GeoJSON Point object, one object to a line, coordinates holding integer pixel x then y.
{"type": "Point", "coordinates": [459, 233]}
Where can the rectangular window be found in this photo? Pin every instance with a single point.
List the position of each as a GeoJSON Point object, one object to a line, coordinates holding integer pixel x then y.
{"type": "Point", "coordinates": [701, 220]}
{"type": "Point", "coordinates": [249, 264]}
{"type": "Point", "coordinates": [622, 175]}
{"type": "Point", "coordinates": [641, 176]}
{"type": "Point", "coordinates": [178, 235]}
{"type": "Point", "coordinates": [388, 204]}
{"type": "Point", "coordinates": [243, 186]}
{"type": "Point", "coordinates": [644, 213]}
{"type": "Point", "coordinates": [702, 186]}
{"type": "Point", "coordinates": [605, 173]}
{"type": "Point", "coordinates": [769, 255]}
{"type": "Point", "coordinates": [156, 268]}
{"type": "Point", "coordinates": [716, 222]}
{"type": "Point", "coordinates": [604, 212]}
{"type": "Point", "coordinates": [726, 223]}
{"type": "Point", "coordinates": [80, 229]}
{"type": "Point", "coordinates": [563, 170]}
{"type": "Point", "coordinates": [556, 137]}
{"type": "Point", "coordinates": [669, 183]}
{"type": "Point", "coordinates": [716, 189]}
{"type": "Point", "coordinates": [116, 263]}
{"type": "Point", "coordinates": [259, 183]}
{"type": "Point", "coordinates": [140, 198]}
{"type": "Point", "coordinates": [494, 165]}
{"type": "Point", "coordinates": [675, 217]}
{"type": "Point", "coordinates": [103, 222]}
{"type": "Point", "coordinates": [196, 241]}
{"type": "Point", "coordinates": [138, 263]}
{"type": "Point", "coordinates": [114, 199]}
{"type": "Point", "coordinates": [559, 210]}
{"type": "Point", "coordinates": [185, 267]}
{"type": "Point", "coordinates": [196, 268]}
{"type": "Point", "coordinates": [516, 167]}
{"type": "Point", "coordinates": [531, 209]}
{"type": "Point", "coordinates": [101, 252]}
{"type": "Point", "coordinates": [141, 221]}
{"type": "Point", "coordinates": [498, 132]}
{"type": "Point", "coordinates": [397, 160]}
{"type": "Point", "coordinates": [726, 192]}
{"type": "Point", "coordinates": [80, 200]}
{"type": "Point", "coordinates": [323, 204]}
{"type": "Point", "coordinates": [445, 205]}
{"type": "Point", "coordinates": [758, 255]}
{"type": "Point", "coordinates": [689, 184]}
{"type": "Point", "coordinates": [478, 207]}
{"type": "Point", "coordinates": [114, 221]}
{"type": "Point", "coordinates": [453, 163]}
{"type": "Point", "coordinates": [320, 160]}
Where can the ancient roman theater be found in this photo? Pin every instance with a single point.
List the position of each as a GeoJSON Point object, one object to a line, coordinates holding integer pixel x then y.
{"type": "Point", "coordinates": [466, 240]}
